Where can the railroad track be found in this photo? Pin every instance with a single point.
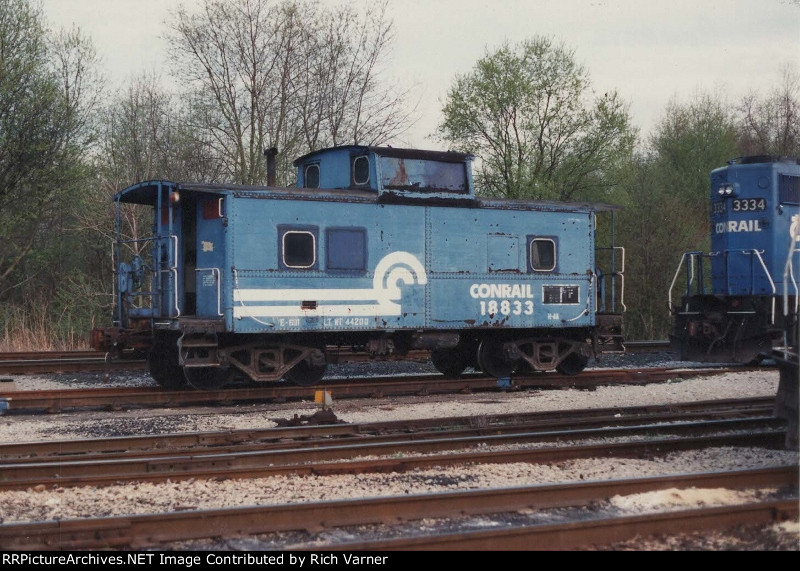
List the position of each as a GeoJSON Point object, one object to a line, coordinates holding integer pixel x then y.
{"type": "Point", "coordinates": [39, 362]}
{"type": "Point", "coordinates": [139, 531]}
{"type": "Point", "coordinates": [403, 447]}
{"type": "Point", "coordinates": [119, 398]}
{"type": "Point", "coordinates": [336, 432]}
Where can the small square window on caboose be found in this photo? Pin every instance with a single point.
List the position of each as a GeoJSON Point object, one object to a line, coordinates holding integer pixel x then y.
{"type": "Point", "coordinates": [542, 254]}
{"type": "Point", "coordinates": [298, 248]}
{"type": "Point", "coordinates": [346, 249]}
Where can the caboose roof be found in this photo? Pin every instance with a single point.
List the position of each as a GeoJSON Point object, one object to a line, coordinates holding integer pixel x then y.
{"type": "Point", "coordinates": [146, 193]}
{"type": "Point", "coordinates": [418, 154]}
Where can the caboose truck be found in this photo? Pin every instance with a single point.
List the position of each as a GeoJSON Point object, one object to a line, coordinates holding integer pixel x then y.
{"type": "Point", "coordinates": [378, 249]}
{"type": "Point", "coordinates": [755, 202]}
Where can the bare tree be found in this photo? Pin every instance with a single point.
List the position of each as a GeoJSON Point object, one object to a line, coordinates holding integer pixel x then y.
{"type": "Point", "coordinates": [287, 74]}
{"type": "Point", "coordinates": [771, 125]}
{"type": "Point", "coordinates": [342, 100]}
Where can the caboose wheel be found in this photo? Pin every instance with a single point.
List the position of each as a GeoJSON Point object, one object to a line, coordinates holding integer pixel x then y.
{"type": "Point", "coordinates": [207, 378]}
{"type": "Point", "coordinates": [450, 362]}
{"type": "Point", "coordinates": [162, 363]}
{"type": "Point", "coordinates": [492, 359]}
{"type": "Point", "coordinates": [310, 370]}
{"type": "Point", "coordinates": [572, 364]}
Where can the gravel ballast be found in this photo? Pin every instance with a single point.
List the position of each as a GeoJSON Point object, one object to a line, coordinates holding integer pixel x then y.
{"type": "Point", "coordinates": [54, 503]}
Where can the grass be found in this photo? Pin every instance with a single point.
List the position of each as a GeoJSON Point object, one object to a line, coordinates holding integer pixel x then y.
{"type": "Point", "coordinates": [34, 330]}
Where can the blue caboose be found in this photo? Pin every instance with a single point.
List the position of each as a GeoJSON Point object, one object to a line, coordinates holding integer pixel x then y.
{"type": "Point", "coordinates": [379, 249]}
{"type": "Point", "coordinates": [753, 265]}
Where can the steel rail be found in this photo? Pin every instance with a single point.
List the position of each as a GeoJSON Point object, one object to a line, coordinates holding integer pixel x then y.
{"type": "Point", "coordinates": [55, 401]}
{"type": "Point", "coordinates": [153, 530]}
{"type": "Point", "coordinates": [386, 457]}
{"type": "Point", "coordinates": [603, 531]}
{"type": "Point", "coordinates": [284, 437]}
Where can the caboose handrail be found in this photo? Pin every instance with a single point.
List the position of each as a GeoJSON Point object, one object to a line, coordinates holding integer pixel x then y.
{"type": "Point", "coordinates": [600, 302]}
{"type": "Point", "coordinates": [621, 274]}
{"type": "Point", "coordinates": [218, 276]}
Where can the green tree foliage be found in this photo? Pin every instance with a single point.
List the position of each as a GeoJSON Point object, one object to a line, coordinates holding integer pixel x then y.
{"type": "Point", "coordinates": [667, 206]}
{"type": "Point", "coordinates": [528, 114]}
{"type": "Point", "coordinates": [47, 93]}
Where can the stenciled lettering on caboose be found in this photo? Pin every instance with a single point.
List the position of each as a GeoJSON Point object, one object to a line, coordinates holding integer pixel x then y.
{"type": "Point", "coordinates": [512, 291]}
{"type": "Point", "coordinates": [503, 299]}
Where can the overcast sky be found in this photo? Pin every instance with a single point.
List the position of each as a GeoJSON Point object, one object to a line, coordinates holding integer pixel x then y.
{"type": "Point", "coordinates": [650, 52]}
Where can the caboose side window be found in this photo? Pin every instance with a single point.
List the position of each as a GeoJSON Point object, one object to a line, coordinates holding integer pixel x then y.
{"type": "Point", "coordinates": [542, 254]}
{"type": "Point", "coordinates": [346, 249]}
{"type": "Point", "coordinates": [311, 176]}
{"type": "Point", "coordinates": [360, 170]}
{"type": "Point", "coordinates": [298, 249]}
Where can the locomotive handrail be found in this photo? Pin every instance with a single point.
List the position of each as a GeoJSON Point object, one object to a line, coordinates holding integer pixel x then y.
{"type": "Point", "coordinates": [769, 277]}
{"type": "Point", "coordinates": [689, 277]}
{"type": "Point", "coordinates": [788, 268]}
{"type": "Point", "coordinates": [788, 272]}
{"type": "Point", "coordinates": [218, 277]}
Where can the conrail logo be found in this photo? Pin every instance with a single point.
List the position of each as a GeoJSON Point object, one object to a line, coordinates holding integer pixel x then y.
{"type": "Point", "coordinates": [508, 291]}
{"type": "Point", "coordinates": [740, 226]}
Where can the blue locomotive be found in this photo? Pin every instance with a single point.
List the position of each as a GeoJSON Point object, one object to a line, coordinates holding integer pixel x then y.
{"type": "Point", "coordinates": [376, 249]}
{"type": "Point", "coordinates": [753, 269]}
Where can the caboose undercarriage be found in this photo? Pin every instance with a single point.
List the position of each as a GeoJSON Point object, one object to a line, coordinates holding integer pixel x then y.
{"type": "Point", "coordinates": [199, 353]}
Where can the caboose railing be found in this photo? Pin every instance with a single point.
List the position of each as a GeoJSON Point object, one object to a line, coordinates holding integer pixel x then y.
{"type": "Point", "coordinates": [138, 287]}
{"type": "Point", "coordinates": [609, 298]}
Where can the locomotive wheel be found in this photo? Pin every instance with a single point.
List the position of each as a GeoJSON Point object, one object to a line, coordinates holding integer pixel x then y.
{"type": "Point", "coordinates": [450, 362]}
{"type": "Point", "coordinates": [572, 364]}
{"type": "Point", "coordinates": [207, 378]}
{"type": "Point", "coordinates": [491, 359]}
{"type": "Point", "coordinates": [162, 363]}
{"type": "Point", "coordinates": [307, 372]}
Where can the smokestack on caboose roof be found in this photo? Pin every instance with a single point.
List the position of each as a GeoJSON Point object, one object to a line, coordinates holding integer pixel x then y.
{"type": "Point", "coordinates": [271, 171]}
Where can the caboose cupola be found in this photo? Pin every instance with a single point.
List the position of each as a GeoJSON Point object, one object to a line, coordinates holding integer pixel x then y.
{"type": "Point", "coordinates": [390, 172]}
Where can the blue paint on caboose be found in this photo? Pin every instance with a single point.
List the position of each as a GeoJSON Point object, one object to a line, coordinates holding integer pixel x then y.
{"type": "Point", "coordinates": [752, 204]}
{"type": "Point", "coordinates": [377, 247]}
{"type": "Point", "coordinates": [368, 266]}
